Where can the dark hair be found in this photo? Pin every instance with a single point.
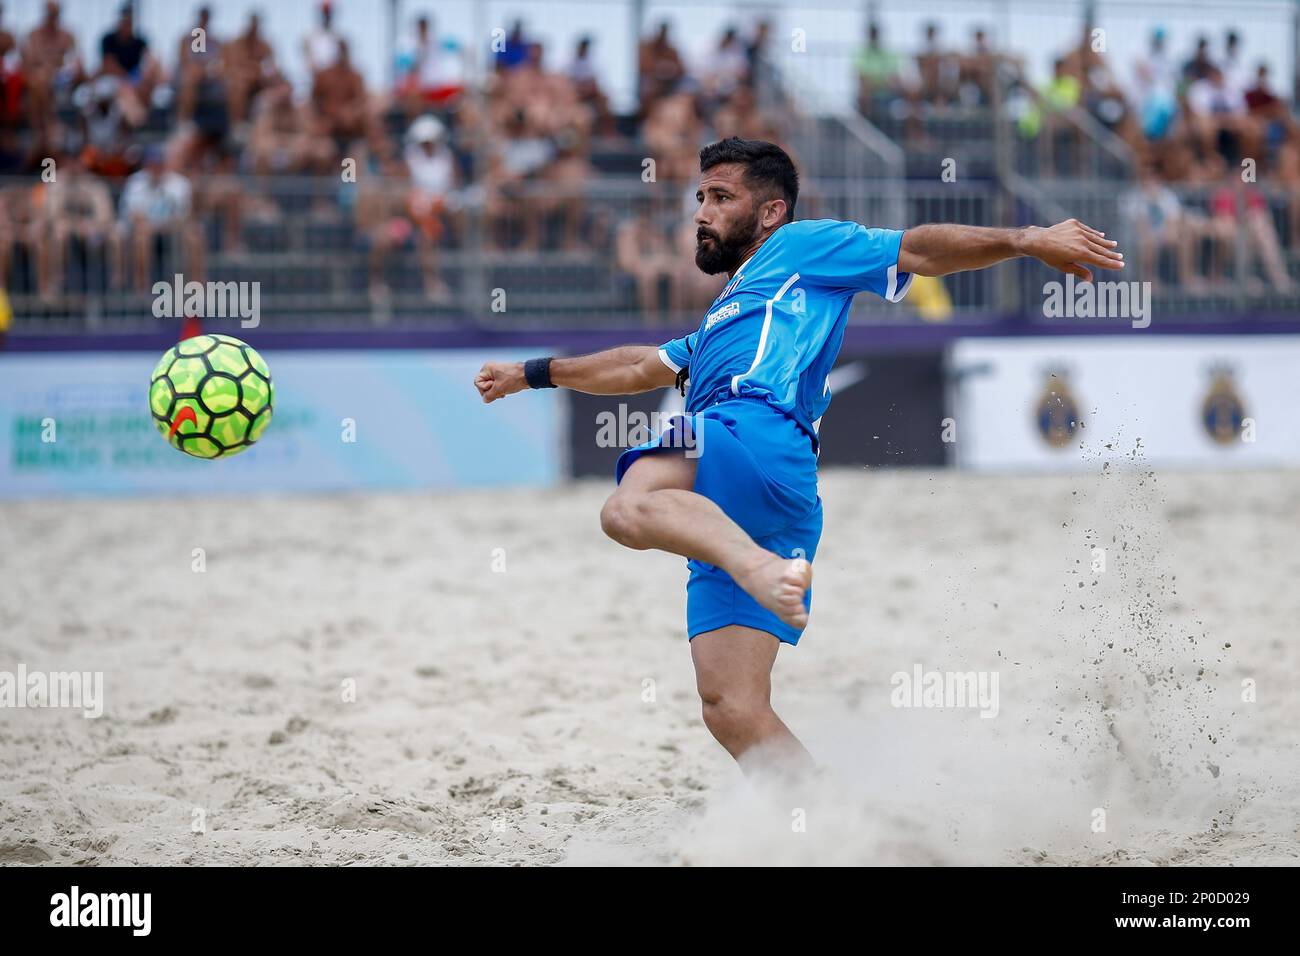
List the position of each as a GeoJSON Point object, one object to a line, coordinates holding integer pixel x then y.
{"type": "Point", "coordinates": [768, 168]}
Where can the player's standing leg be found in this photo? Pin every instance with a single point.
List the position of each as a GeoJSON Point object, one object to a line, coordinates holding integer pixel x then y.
{"type": "Point", "coordinates": [733, 673]}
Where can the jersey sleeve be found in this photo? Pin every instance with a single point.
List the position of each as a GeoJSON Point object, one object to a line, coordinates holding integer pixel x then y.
{"type": "Point", "coordinates": [676, 354]}
{"type": "Point", "coordinates": [849, 257]}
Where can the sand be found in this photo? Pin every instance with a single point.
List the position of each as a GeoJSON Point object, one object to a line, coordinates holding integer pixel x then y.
{"type": "Point", "coordinates": [483, 678]}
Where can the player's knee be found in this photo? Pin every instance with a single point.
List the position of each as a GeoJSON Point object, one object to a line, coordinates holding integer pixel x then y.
{"type": "Point", "coordinates": [732, 717]}
{"type": "Point", "coordinates": [622, 519]}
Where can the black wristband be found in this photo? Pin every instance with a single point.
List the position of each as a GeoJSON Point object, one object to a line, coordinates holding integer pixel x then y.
{"type": "Point", "coordinates": [537, 373]}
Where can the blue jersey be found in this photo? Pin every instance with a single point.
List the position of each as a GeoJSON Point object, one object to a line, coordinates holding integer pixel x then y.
{"type": "Point", "coordinates": [776, 328]}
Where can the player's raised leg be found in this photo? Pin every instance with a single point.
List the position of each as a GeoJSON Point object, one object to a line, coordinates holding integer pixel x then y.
{"type": "Point", "coordinates": [733, 673]}
{"type": "Point", "coordinates": [654, 507]}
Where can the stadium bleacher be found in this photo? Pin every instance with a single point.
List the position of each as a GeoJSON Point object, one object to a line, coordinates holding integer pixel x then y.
{"type": "Point", "coordinates": [536, 184]}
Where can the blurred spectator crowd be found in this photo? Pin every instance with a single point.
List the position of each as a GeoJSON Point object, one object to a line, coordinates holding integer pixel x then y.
{"type": "Point", "coordinates": [126, 164]}
{"type": "Point", "coordinates": [132, 162]}
{"type": "Point", "coordinates": [1203, 132]}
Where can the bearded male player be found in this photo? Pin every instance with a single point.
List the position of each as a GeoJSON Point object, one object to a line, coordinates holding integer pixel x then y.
{"type": "Point", "coordinates": [743, 509]}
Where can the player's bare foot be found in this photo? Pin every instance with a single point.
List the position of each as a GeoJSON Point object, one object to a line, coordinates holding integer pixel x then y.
{"type": "Point", "coordinates": [779, 584]}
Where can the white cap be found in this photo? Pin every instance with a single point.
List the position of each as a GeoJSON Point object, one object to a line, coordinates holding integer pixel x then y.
{"type": "Point", "coordinates": [426, 129]}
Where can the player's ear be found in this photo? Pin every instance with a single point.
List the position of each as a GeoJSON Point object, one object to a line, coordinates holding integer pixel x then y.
{"type": "Point", "coordinates": [774, 213]}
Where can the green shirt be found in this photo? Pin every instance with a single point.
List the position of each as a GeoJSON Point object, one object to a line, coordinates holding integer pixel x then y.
{"type": "Point", "coordinates": [877, 63]}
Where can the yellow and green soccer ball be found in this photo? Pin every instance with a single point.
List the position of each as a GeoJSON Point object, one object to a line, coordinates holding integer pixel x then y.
{"type": "Point", "coordinates": [211, 396]}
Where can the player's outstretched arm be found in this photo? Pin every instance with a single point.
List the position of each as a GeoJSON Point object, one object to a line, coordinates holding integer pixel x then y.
{"type": "Point", "coordinates": [1070, 246]}
{"type": "Point", "coordinates": [621, 371]}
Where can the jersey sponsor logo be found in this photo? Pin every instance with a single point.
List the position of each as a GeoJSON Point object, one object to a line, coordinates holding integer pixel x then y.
{"type": "Point", "coordinates": [726, 312]}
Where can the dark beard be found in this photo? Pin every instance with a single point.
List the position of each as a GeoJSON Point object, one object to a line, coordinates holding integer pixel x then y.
{"type": "Point", "coordinates": [724, 254]}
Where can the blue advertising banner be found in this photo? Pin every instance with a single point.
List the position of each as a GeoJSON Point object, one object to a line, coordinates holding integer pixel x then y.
{"type": "Point", "coordinates": [79, 423]}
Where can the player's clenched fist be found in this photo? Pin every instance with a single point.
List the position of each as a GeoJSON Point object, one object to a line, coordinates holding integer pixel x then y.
{"type": "Point", "coordinates": [499, 379]}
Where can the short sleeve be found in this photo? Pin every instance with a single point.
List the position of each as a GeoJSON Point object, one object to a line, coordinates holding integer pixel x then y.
{"type": "Point", "coordinates": [849, 257]}
{"type": "Point", "coordinates": [676, 354]}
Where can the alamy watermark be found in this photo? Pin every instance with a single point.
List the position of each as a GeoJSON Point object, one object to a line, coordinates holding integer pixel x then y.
{"type": "Point", "coordinates": [1098, 300]}
{"type": "Point", "coordinates": [82, 690]}
{"type": "Point", "coordinates": [945, 689]}
{"type": "Point", "coordinates": [624, 429]}
{"type": "Point", "coordinates": [127, 910]}
{"type": "Point", "coordinates": [208, 300]}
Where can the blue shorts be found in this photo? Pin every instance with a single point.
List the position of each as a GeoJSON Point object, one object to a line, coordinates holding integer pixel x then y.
{"type": "Point", "coordinates": [760, 468]}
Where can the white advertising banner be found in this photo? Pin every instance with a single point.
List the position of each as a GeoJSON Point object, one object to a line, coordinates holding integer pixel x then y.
{"type": "Point", "coordinates": [1071, 403]}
